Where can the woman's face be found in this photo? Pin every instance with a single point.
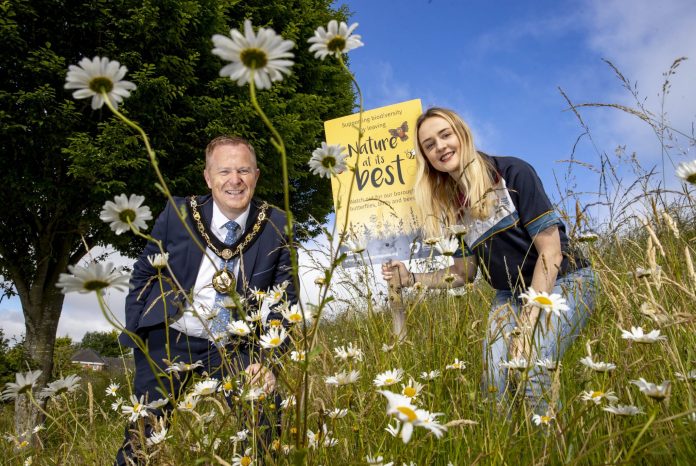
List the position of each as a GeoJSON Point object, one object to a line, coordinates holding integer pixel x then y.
{"type": "Point", "coordinates": [440, 145]}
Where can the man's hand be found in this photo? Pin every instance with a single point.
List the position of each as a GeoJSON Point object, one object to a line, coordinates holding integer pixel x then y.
{"type": "Point", "coordinates": [262, 376]}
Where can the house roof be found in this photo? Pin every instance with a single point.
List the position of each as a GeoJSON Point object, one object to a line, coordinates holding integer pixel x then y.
{"type": "Point", "coordinates": [87, 355]}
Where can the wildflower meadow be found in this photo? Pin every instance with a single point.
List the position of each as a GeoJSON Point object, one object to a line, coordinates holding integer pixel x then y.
{"type": "Point", "coordinates": [351, 389]}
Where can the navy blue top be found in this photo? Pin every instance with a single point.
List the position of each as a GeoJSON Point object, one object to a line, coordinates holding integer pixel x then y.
{"type": "Point", "coordinates": [503, 244]}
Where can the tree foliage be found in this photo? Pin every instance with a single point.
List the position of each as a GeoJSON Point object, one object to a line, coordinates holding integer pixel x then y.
{"type": "Point", "coordinates": [62, 161]}
{"type": "Point", "coordinates": [104, 343]}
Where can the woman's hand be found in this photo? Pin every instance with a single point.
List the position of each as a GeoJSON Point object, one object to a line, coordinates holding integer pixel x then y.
{"type": "Point", "coordinates": [391, 269]}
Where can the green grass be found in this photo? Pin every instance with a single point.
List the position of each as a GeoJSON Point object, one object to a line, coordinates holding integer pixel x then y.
{"type": "Point", "coordinates": [481, 431]}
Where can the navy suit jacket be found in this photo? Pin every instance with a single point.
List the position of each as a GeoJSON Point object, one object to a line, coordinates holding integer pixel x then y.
{"type": "Point", "coordinates": [265, 263]}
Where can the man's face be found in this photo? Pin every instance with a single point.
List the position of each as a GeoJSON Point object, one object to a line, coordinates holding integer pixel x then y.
{"type": "Point", "coordinates": [231, 174]}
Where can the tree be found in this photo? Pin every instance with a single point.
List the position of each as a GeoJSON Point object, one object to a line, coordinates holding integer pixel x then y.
{"type": "Point", "coordinates": [104, 343]}
{"type": "Point", "coordinates": [62, 160]}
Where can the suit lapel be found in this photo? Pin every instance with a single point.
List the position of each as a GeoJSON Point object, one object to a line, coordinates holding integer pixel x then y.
{"type": "Point", "coordinates": [195, 255]}
{"type": "Point", "coordinates": [248, 259]}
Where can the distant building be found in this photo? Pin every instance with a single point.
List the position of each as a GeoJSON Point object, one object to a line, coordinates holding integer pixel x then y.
{"type": "Point", "coordinates": [87, 358]}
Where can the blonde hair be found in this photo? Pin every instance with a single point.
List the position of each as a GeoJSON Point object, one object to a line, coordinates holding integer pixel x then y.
{"type": "Point", "coordinates": [437, 193]}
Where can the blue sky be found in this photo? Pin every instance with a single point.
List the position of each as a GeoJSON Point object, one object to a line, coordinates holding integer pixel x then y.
{"type": "Point", "coordinates": [499, 64]}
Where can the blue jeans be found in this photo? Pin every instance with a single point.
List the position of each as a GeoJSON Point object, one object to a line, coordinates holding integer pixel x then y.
{"type": "Point", "coordinates": [552, 336]}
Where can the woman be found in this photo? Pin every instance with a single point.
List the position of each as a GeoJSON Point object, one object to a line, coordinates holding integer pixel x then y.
{"type": "Point", "coordinates": [513, 237]}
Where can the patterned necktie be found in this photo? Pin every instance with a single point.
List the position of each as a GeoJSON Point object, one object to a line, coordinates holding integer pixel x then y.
{"type": "Point", "coordinates": [219, 323]}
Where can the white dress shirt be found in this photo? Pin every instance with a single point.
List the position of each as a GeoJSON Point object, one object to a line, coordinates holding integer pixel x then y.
{"type": "Point", "coordinates": [203, 291]}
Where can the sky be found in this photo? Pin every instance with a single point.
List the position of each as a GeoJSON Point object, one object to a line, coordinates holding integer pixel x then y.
{"type": "Point", "coordinates": [500, 65]}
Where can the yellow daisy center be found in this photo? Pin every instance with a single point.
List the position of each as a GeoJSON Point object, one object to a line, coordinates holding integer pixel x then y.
{"type": "Point", "coordinates": [545, 419]}
{"type": "Point", "coordinates": [336, 44]}
{"type": "Point", "coordinates": [295, 317]}
{"type": "Point", "coordinates": [254, 58]}
{"type": "Point", "coordinates": [275, 341]}
{"type": "Point", "coordinates": [410, 392]}
{"type": "Point", "coordinates": [389, 380]}
{"type": "Point", "coordinates": [101, 83]}
{"type": "Point", "coordinates": [408, 412]}
{"type": "Point", "coordinates": [137, 407]}
{"type": "Point", "coordinates": [227, 386]}
{"type": "Point", "coordinates": [126, 215]}
{"type": "Point", "coordinates": [275, 323]}
{"type": "Point", "coordinates": [543, 300]}
{"type": "Point", "coordinates": [245, 461]}
{"type": "Point", "coordinates": [597, 394]}
{"type": "Point", "coordinates": [94, 285]}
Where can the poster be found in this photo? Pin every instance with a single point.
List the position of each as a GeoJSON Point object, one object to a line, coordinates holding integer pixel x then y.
{"type": "Point", "coordinates": [382, 168]}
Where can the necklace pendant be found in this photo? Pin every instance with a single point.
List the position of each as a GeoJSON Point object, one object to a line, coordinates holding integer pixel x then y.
{"type": "Point", "coordinates": [224, 282]}
{"type": "Point", "coordinates": [226, 254]}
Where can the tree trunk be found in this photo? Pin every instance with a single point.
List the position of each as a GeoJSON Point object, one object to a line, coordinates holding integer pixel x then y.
{"type": "Point", "coordinates": [42, 310]}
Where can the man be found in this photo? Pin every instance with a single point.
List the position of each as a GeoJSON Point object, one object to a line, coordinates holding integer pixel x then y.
{"type": "Point", "coordinates": [187, 323]}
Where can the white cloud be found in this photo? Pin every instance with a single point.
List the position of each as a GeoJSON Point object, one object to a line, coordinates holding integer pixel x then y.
{"type": "Point", "coordinates": [643, 38]}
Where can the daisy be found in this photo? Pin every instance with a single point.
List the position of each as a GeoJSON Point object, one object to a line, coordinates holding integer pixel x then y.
{"type": "Point", "coordinates": [298, 356]}
{"type": "Point", "coordinates": [182, 366]}
{"type": "Point", "coordinates": [254, 316]}
{"type": "Point", "coordinates": [548, 364]}
{"type": "Point", "coordinates": [112, 389]}
{"type": "Point", "coordinates": [519, 364]}
{"type": "Point", "coordinates": [206, 387]}
{"type": "Point", "coordinates": [656, 392]}
{"type": "Point", "coordinates": [157, 404]}
{"type": "Point", "coordinates": [545, 419]}
{"type": "Point", "coordinates": [93, 277]}
{"type": "Point", "coordinates": [597, 396]}
{"type": "Point", "coordinates": [263, 55]}
{"type": "Point", "coordinates": [288, 402]}
{"type": "Point", "coordinates": [636, 334]}
{"type": "Point", "coordinates": [375, 460]}
{"type": "Point", "coordinates": [456, 365]}
{"type": "Point", "coordinates": [136, 409]}
{"type": "Point", "coordinates": [412, 389]}
{"type": "Point", "coordinates": [245, 459]}
{"type": "Point", "coordinates": [227, 385]}
{"type": "Point", "coordinates": [402, 408]}
{"type": "Point", "coordinates": [428, 421]}
{"type": "Point", "coordinates": [691, 375]}
{"type": "Point", "coordinates": [239, 328]}
{"type": "Point", "coordinates": [349, 352]}
{"type": "Point", "coordinates": [158, 261]}
{"type": "Point", "coordinates": [687, 171]}
{"type": "Point", "coordinates": [432, 375]}
{"type": "Point", "coordinates": [548, 302]}
{"type": "Point", "coordinates": [342, 378]}
{"type": "Point", "coordinates": [255, 393]}
{"type": "Point", "coordinates": [328, 160]}
{"type": "Point", "coordinates": [157, 437]}
{"type": "Point", "coordinates": [24, 382]}
{"type": "Point", "coordinates": [587, 237]}
{"type": "Point", "coordinates": [623, 410]}
{"type": "Point", "coordinates": [65, 385]}
{"type": "Point", "coordinates": [125, 212]}
{"type": "Point", "coordinates": [458, 230]}
{"type": "Point", "coordinates": [337, 413]}
{"type": "Point", "coordinates": [387, 348]}
{"type": "Point", "coordinates": [258, 294]}
{"type": "Point", "coordinates": [93, 77]}
{"type": "Point", "coordinates": [447, 246]}
{"type": "Point", "coordinates": [322, 437]}
{"type": "Point", "coordinates": [388, 378]}
{"type": "Point", "coordinates": [116, 405]}
{"type": "Point", "coordinates": [295, 315]}
{"type": "Point", "coordinates": [240, 436]}
{"type": "Point", "coordinates": [432, 240]}
{"type": "Point", "coordinates": [277, 293]}
{"type": "Point", "coordinates": [356, 244]}
{"type": "Point", "coordinates": [597, 366]}
{"type": "Point", "coordinates": [335, 40]}
{"type": "Point", "coordinates": [274, 338]}
{"type": "Point", "coordinates": [188, 403]}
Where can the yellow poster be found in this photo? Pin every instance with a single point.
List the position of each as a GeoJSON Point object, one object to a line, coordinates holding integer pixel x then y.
{"type": "Point", "coordinates": [382, 171]}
